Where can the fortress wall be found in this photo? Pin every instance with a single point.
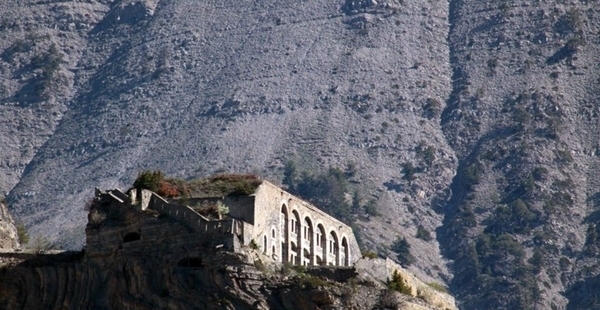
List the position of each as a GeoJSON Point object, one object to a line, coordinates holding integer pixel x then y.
{"type": "Point", "coordinates": [268, 213]}
{"type": "Point", "coordinates": [190, 217]}
{"type": "Point", "coordinates": [179, 229]}
{"type": "Point", "coordinates": [166, 235]}
{"type": "Point", "coordinates": [241, 207]}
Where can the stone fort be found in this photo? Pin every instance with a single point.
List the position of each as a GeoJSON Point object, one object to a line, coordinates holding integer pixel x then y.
{"type": "Point", "coordinates": [271, 220]}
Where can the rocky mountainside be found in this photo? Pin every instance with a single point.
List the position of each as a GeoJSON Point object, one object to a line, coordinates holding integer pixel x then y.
{"type": "Point", "coordinates": [472, 124]}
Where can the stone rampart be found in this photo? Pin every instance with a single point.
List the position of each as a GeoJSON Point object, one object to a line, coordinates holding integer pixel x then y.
{"type": "Point", "coordinates": [192, 218]}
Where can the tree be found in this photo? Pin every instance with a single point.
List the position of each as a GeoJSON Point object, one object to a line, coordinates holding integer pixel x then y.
{"type": "Point", "coordinates": [397, 283]}
{"type": "Point", "coordinates": [356, 202]}
{"type": "Point", "coordinates": [22, 234]}
{"type": "Point", "coordinates": [289, 174]}
{"type": "Point", "coordinates": [423, 233]}
{"type": "Point", "coordinates": [371, 208]}
{"type": "Point", "coordinates": [409, 171]}
{"type": "Point", "coordinates": [149, 180]}
{"type": "Point", "coordinates": [402, 249]}
{"type": "Point", "coordinates": [326, 190]}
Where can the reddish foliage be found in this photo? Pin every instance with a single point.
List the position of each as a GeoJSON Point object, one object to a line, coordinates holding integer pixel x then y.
{"type": "Point", "coordinates": [167, 189]}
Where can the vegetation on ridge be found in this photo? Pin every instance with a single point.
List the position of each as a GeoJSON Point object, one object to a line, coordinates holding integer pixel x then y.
{"type": "Point", "coordinates": [215, 186]}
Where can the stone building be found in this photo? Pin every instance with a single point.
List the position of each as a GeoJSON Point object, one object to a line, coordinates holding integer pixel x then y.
{"type": "Point", "coordinates": [282, 226]}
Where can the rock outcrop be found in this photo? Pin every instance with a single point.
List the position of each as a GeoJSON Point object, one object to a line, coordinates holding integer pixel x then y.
{"type": "Point", "coordinates": [8, 231]}
{"type": "Point", "coordinates": [138, 259]}
{"type": "Point", "coordinates": [223, 280]}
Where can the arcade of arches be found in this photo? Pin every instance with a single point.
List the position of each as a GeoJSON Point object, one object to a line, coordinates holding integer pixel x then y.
{"type": "Point", "coordinates": [302, 241]}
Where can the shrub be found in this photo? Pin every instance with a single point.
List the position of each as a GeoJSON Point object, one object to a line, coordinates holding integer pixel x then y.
{"type": "Point", "coordinates": [22, 234]}
{"type": "Point", "coordinates": [564, 263]}
{"type": "Point", "coordinates": [311, 282]}
{"type": "Point", "coordinates": [492, 64]}
{"type": "Point", "coordinates": [397, 283]}
{"type": "Point", "coordinates": [253, 245]}
{"type": "Point", "coordinates": [428, 155]}
{"type": "Point", "coordinates": [432, 108]}
{"type": "Point", "coordinates": [49, 63]}
{"type": "Point", "coordinates": [472, 175]}
{"type": "Point", "coordinates": [438, 287]}
{"type": "Point", "coordinates": [537, 260]}
{"type": "Point", "coordinates": [402, 248]}
{"type": "Point", "coordinates": [371, 208]}
{"type": "Point", "coordinates": [96, 218]}
{"type": "Point", "coordinates": [409, 171]}
{"type": "Point", "coordinates": [289, 174]}
{"type": "Point", "coordinates": [369, 254]}
{"type": "Point", "coordinates": [236, 184]}
{"type": "Point", "coordinates": [40, 245]}
{"type": "Point", "coordinates": [299, 269]}
{"type": "Point", "coordinates": [423, 233]}
{"type": "Point", "coordinates": [167, 189]}
{"type": "Point", "coordinates": [539, 173]}
{"type": "Point", "coordinates": [149, 180]}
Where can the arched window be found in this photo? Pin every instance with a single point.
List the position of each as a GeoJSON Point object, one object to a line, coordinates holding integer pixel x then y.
{"type": "Point", "coordinates": [283, 222]}
{"type": "Point", "coordinates": [333, 249]}
{"type": "Point", "coordinates": [265, 244]}
{"type": "Point", "coordinates": [320, 236]}
{"type": "Point", "coordinates": [344, 252]}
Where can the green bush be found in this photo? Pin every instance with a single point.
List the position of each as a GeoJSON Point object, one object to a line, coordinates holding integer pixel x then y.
{"type": "Point", "coordinates": [409, 171]}
{"type": "Point", "coordinates": [311, 282]}
{"type": "Point", "coordinates": [369, 254]}
{"type": "Point", "coordinates": [423, 234]}
{"type": "Point", "coordinates": [149, 180]}
{"type": "Point", "coordinates": [438, 287]}
{"type": "Point", "coordinates": [432, 108]}
{"type": "Point", "coordinates": [22, 234]}
{"type": "Point", "coordinates": [397, 283]}
{"type": "Point", "coordinates": [472, 175]}
{"type": "Point", "coordinates": [402, 249]}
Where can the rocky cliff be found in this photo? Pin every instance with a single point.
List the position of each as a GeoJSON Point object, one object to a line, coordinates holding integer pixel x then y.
{"type": "Point", "coordinates": [145, 260]}
{"type": "Point", "coordinates": [223, 281]}
{"type": "Point", "coordinates": [8, 231]}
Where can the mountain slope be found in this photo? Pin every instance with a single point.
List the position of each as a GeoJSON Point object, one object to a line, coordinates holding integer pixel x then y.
{"type": "Point", "coordinates": [522, 119]}
{"type": "Point", "coordinates": [473, 122]}
{"type": "Point", "coordinates": [195, 88]}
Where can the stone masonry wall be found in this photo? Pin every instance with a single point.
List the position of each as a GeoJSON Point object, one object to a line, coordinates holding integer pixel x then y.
{"type": "Point", "coordinates": [298, 236]}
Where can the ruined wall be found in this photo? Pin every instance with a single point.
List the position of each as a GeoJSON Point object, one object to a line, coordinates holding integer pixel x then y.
{"type": "Point", "coordinates": [241, 207]}
{"type": "Point", "coordinates": [172, 228]}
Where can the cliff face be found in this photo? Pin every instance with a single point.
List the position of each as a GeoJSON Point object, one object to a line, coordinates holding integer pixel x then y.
{"type": "Point", "coordinates": [143, 260]}
{"type": "Point", "coordinates": [222, 281]}
{"type": "Point", "coordinates": [8, 231]}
